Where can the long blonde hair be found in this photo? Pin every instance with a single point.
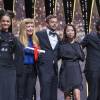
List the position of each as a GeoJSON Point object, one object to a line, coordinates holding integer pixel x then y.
{"type": "Point", "coordinates": [22, 34]}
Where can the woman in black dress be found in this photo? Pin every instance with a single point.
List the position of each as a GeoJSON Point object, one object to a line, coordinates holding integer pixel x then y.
{"type": "Point", "coordinates": [70, 77]}
{"type": "Point", "coordinates": [9, 53]}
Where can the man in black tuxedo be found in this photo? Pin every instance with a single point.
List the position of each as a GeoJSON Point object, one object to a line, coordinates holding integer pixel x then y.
{"type": "Point", "coordinates": [47, 64]}
{"type": "Point", "coordinates": [92, 68]}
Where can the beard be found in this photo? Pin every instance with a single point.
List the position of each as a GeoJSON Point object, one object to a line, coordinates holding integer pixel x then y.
{"type": "Point", "coordinates": [52, 29]}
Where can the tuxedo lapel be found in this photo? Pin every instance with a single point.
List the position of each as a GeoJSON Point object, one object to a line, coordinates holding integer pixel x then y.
{"type": "Point", "coordinates": [57, 42]}
{"type": "Point", "coordinates": [46, 39]}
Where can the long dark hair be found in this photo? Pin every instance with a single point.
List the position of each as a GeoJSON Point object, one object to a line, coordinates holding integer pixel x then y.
{"type": "Point", "coordinates": [8, 13]}
{"type": "Point", "coordinates": [65, 38]}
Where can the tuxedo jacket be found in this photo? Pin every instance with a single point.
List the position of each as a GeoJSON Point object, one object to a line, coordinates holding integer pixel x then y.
{"type": "Point", "coordinates": [47, 62]}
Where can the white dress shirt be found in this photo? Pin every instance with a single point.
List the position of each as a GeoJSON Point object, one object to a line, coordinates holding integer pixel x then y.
{"type": "Point", "coordinates": [52, 38]}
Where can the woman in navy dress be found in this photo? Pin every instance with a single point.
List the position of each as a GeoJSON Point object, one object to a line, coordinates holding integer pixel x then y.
{"type": "Point", "coordinates": [70, 77]}
{"type": "Point", "coordinates": [29, 75]}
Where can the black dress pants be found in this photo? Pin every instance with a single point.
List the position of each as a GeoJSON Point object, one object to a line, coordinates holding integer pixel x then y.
{"type": "Point", "coordinates": [93, 79]}
{"type": "Point", "coordinates": [26, 87]}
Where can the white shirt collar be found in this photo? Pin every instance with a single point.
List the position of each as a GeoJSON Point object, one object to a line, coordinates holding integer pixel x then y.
{"type": "Point", "coordinates": [48, 30]}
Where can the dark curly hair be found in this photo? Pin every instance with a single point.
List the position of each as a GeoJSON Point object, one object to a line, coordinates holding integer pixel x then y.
{"type": "Point", "coordinates": [6, 13]}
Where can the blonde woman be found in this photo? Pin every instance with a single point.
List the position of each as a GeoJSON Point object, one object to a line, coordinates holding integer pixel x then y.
{"type": "Point", "coordinates": [28, 78]}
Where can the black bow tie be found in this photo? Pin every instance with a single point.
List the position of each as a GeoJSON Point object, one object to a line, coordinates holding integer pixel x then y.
{"type": "Point", "coordinates": [52, 33]}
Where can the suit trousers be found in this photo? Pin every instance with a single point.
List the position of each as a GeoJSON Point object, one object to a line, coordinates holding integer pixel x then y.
{"type": "Point", "coordinates": [93, 79]}
{"type": "Point", "coordinates": [48, 87]}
